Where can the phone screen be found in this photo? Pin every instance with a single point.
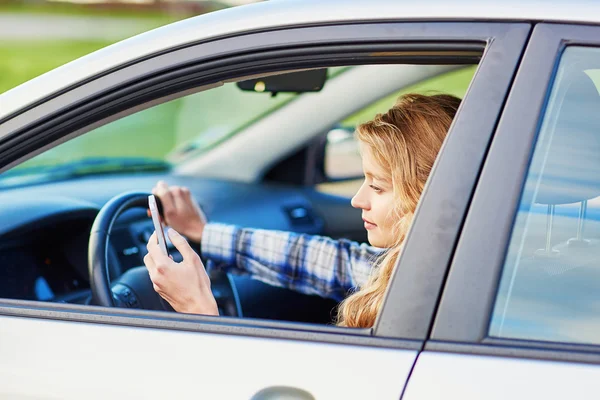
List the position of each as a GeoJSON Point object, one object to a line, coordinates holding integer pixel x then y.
{"type": "Point", "coordinates": [158, 226]}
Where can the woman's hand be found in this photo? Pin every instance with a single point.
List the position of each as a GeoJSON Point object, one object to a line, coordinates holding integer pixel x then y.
{"type": "Point", "coordinates": [181, 211]}
{"type": "Point", "coordinates": [184, 285]}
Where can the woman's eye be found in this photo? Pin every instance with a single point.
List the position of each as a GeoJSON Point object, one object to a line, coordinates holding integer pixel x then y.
{"type": "Point", "coordinates": [375, 188]}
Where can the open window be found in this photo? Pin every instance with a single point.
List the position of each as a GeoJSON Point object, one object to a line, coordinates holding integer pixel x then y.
{"type": "Point", "coordinates": [253, 156]}
{"type": "Point", "coordinates": [204, 140]}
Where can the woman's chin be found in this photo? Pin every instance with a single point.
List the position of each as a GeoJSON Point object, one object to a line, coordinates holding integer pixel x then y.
{"type": "Point", "coordinates": [375, 241]}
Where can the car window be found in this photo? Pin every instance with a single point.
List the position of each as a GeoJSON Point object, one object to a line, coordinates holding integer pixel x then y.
{"type": "Point", "coordinates": [550, 284]}
{"type": "Point", "coordinates": [172, 132]}
{"type": "Point", "coordinates": [343, 167]}
{"type": "Point", "coordinates": [140, 149]}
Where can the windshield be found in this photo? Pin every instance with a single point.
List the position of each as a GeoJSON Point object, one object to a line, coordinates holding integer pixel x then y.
{"type": "Point", "coordinates": [157, 138]}
{"type": "Point", "coordinates": [152, 139]}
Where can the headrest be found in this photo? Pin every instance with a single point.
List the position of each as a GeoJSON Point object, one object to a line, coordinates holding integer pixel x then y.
{"type": "Point", "coordinates": [571, 172]}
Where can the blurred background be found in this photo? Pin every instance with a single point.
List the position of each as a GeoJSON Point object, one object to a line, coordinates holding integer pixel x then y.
{"type": "Point", "coordinates": [39, 35]}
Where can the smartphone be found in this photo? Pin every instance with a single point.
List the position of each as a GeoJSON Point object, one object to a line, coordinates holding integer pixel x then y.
{"type": "Point", "coordinates": [158, 226]}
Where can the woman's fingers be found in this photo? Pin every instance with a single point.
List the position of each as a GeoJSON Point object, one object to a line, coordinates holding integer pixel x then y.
{"type": "Point", "coordinates": [149, 262]}
{"type": "Point", "coordinates": [178, 199]}
{"type": "Point", "coordinates": [151, 267]}
{"type": "Point", "coordinates": [160, 259]}
{"type": "Point", "coordinates": [166, 197]}
{"type": "Point", "coordinates": [183, 201]}
{"type": "Point", "coordinates": [180, 210]}
{"type": "Point", "coordinates": [184, 285]}
{"type": "Point", "coordinates": [182, 245]}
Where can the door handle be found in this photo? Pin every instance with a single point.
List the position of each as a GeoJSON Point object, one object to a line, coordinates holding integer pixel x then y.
{"type": "Point", "coordinates": [282, 393]}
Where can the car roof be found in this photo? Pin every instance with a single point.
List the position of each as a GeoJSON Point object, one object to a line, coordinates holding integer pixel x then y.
{"type": "Point", "coordinates": [280, 13]}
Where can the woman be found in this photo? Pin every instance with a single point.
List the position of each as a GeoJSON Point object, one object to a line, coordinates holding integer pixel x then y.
{"type": "Point", "coordinates": [398, 150]}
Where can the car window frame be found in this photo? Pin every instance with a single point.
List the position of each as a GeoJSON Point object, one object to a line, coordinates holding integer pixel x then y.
{"type": "Point", "coordinates": [466, 305]}
{"type": "Point", "coordinates": [47, 124]}
{"type": "Point", "coordinates": [438, 220]}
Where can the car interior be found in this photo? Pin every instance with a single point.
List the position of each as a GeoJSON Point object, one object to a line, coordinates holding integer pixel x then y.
{"type": "Point", "coordinates": [272, 151]}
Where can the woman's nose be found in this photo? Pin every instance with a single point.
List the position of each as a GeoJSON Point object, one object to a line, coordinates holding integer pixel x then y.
{"type": "Point", "coordinates": [359, 200]}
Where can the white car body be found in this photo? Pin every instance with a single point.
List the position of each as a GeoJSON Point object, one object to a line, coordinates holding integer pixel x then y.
{"type": "Point", "coordinates": [73, 352]}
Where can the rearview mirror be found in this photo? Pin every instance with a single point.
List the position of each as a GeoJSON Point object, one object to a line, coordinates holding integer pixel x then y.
{"type": "Point", "coordinates": [296, 82]}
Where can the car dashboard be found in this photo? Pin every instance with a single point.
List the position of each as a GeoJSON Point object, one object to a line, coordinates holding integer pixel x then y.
{"type": "Point", "coordinates": [45, 233]}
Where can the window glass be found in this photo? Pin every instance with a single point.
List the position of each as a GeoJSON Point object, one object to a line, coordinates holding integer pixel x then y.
{"type": "Point", "coordinates": [170, 132]}
{"type": "Point", "coordinates": [550, 284]}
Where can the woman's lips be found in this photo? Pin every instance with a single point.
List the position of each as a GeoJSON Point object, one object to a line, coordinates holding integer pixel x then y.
{"type": "Point", "coordinates": [369, 225]}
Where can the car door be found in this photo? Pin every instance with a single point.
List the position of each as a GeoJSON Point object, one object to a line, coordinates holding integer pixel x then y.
{"type": "Point", "coordinates": [68, 351]}
{"type": "Point", "coordinates": [519, 314]}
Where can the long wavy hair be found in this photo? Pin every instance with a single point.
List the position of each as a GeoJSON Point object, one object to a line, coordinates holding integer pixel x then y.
{"type": "Point", "coordinates": [405, 142]}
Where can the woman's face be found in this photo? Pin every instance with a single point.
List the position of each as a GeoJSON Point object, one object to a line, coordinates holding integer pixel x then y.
{"type": "Point", "coordinates": [375, 199]}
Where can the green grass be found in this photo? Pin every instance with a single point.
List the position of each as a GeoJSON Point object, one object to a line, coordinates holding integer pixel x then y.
{"type": "Point", "coordinates": [24, 60]}
{"type": "Point", "coordinates": [59, 8]}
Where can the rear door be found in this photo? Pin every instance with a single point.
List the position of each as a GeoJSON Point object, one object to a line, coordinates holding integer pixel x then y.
{"type": "Point", "coordinates": [66, 351]}
{"type": "Point", "coordinates": [520, 311]}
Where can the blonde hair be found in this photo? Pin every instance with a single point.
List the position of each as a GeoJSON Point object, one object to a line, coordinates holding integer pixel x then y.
{"type": "Point", "coordinates": [405, 142]}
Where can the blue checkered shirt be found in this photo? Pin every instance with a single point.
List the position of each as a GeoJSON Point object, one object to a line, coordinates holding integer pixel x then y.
{"type": "Point", "coordinates": [305, 263]}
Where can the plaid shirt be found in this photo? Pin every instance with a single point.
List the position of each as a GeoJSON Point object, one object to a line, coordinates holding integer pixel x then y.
{"type": "Point", "coordinates": [307, 264]}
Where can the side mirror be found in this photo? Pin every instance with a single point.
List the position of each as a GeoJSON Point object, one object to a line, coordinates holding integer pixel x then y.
{"type": "Point", "coordinates": [295, 82]}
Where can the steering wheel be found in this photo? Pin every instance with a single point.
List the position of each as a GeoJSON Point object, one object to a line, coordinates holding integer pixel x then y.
{"type": "Point", "coordinates": [133, 289]}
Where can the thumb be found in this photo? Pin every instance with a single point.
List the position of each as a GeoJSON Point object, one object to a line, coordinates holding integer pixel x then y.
{"type": "Point", "coordinates": [181, 244]}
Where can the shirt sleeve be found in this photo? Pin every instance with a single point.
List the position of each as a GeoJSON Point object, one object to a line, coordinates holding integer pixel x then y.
{"type": "Point", "coordinates": [305, 263]}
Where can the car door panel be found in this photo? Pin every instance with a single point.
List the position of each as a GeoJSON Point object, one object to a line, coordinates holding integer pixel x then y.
{"type": "Point", "coordinates": [475, 377]}
{"type": "Point", "coordinates": [75, 360]}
